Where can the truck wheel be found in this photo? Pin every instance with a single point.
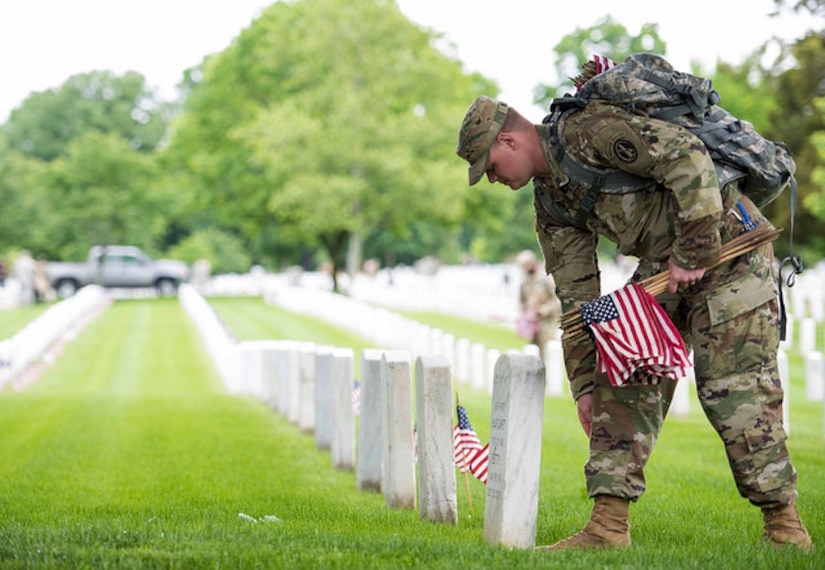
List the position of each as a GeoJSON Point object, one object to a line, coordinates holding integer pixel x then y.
{"type": "Point", "coordinates": [65, 288]}
{"type": "Point", "coordinates": [166, 287]}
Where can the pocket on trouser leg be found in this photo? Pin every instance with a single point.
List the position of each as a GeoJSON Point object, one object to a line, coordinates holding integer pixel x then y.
{"type": "Point", "coordinates": [744, 345]}
{"type": "Point", "coordinates": [771, 469]}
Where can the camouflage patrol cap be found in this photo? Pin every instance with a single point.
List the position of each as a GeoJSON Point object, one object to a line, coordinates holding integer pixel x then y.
{"type": "Point", "coordinates": [481, 125]}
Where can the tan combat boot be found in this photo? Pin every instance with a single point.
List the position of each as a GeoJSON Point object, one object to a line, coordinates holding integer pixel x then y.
{"type": "Point", "coordinates": [608, 527]}
{"type": "Point", "coordinates": [784, 527]}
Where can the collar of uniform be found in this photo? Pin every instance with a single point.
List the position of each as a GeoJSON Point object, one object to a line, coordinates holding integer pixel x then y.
{"type": "Point", "coordinates": [560, 178]}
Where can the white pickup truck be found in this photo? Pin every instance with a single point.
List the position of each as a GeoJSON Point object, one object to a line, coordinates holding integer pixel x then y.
{"type": "Point", "coordinates": [117, 266]}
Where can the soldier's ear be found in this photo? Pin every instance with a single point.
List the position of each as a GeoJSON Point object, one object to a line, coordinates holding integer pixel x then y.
{"type": "Point", "coordinates": [508, 140]}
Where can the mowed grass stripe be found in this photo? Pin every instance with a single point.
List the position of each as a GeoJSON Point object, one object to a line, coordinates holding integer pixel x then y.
{"type": "Point", "coordinates": [250, 318]}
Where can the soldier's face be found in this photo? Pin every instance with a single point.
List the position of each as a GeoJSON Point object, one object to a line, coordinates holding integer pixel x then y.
{"type": "Point", "coordinates": [506, 165]}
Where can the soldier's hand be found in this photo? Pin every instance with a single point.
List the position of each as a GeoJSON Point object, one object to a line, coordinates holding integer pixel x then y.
{"type": "Point", "coordinates": [681, 278]}
{"type": "Point", "coordinates": [585, 408]}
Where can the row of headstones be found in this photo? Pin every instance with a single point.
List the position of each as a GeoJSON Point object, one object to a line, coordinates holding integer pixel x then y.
{"type": "Point", "coordinates": [43, 338]}
{"type": "Point", "coordinates": [489, 292]}
{"type": "Point", "coordinates": [806, 299]}
{"type": "Point", "coordinates": [391, 438]}
{"type": "Point", "coordinates": [405, 448]}
{"type": "Point", "coordinates": [807, 347]}
{"type": "Point", "coordinates": [472, 362]}
{"type": "Point", "coordinates": [807, 305]}
{"type": "Point", "coordinates": [483, 292]}
{"type": "Point", "coordinates": [385, 440]}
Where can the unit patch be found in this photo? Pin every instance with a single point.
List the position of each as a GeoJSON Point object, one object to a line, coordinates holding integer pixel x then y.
{"type": "Point", "coordinates": [625, 151]}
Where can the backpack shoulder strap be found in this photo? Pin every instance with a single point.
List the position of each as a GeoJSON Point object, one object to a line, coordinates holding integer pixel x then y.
{"type": "Point", "coordinates": [609, 181]}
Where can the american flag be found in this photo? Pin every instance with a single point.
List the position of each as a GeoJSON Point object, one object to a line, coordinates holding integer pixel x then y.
{"type": "Point", "coordinates": [634, 336]}
{"type": "Point", "coordinates": [470, 455]}
{"type": "Point", "coordinates": [478, 464]}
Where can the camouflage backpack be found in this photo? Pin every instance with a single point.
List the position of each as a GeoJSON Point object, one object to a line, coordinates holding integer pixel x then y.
{"type": "Point", "coordinates": [648, 83]}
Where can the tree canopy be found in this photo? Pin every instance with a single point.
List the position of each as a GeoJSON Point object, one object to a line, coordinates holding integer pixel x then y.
{"type": "Point", "coordinates": [97, 101]}
{"type": "Point", "coordinates": [325, 121]}
{"type": "Point", "coordinates": [326, 132]}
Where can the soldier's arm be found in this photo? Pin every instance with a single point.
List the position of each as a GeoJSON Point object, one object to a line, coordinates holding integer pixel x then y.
{"type": "Point", "coordinates": [570, 256]}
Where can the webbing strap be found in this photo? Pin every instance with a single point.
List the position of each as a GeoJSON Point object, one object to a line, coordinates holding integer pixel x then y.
{"type": "Point", "coordinates": [796, 268]}
{"type": "Point", "coordinates": [551, 208]}
{"type": "Point", "coordinates": [693, 98]}
{"type": "Point", "coordinates": [715, 135]}
{"type": "Point", "coordinates": [587, 206]}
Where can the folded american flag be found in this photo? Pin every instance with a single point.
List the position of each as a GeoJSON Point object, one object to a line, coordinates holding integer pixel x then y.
{"type": "Point", "coordinates": [635, 339]}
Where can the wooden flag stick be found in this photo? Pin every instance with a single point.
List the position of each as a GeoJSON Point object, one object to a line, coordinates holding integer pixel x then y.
{"type": "Point", "coordinates": [573, 325]}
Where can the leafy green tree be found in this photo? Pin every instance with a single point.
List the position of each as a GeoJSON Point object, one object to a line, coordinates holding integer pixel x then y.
{"type": "Point", "coordinates": [47, 121]}
{"type": "Point", "coordinates": [799, 80]}
{"type": "Point", "coordinates": [815, 7]}
{"type": "Point", "coordinates": [747, 91]}
{"type": "Point", "coordinates": [329, 119]}
{"type": "Point", "coordinates": [608, 38]}
{"type": "Point", "coordinates": [225, 253]}
{"type": "Point", "coordinates": [515, 232]}
{"type": "Point", "coordinates": [815, 201]}
{"type": "Point", "coordinates": [23, 198]}
{"type": "Point", "coordinates": [752, 92]}
{"type": "Point", "coordinates": [100, 192]}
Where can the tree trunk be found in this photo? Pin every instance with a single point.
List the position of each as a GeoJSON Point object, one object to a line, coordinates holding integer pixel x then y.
{"type": "Point", "coordinates": [355, 253]}
{"type": "Point", "coordinates": [334, 245]}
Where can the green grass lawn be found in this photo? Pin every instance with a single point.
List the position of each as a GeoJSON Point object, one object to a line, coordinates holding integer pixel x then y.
{"type": "Point", "coordinates": [128, 453]}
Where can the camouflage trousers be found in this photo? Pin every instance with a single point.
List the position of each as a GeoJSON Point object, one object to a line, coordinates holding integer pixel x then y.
{"type": "Point", "coordinates": [733, 330]}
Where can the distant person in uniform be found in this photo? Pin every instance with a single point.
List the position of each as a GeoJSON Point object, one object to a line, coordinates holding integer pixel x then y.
{"type": "Point", "coordinates": [23, 272]}
{"type": "Point", "coordinates": [42, 287]}
{"type": "Point", "coordinates": [201, 274]}
{"type": "Point", "coordinates": [539, 307]}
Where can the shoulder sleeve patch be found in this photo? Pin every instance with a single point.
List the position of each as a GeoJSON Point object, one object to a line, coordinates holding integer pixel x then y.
{"type": "Point", "coordinates": [623, 148]}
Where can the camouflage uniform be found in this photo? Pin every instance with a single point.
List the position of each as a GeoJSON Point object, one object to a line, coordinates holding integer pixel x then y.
{"type": "Point", "coordinates": [730, 317]}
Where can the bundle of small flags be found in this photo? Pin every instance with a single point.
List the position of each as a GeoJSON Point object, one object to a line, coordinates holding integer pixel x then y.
{"type": "Point", "coordinates": [470, 455]}
{"type": "Point", "coordinates": [634, 337]}
{"type": "Point", "coordinates": [592, 68]}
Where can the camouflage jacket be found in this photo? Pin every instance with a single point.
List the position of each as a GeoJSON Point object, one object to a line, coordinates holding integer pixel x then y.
{"type": "Point", "coordinates": [677, 217]}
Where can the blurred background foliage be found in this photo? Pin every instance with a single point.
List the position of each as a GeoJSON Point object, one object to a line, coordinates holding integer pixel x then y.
{"type": "Point", "coordinates": [325, 134]}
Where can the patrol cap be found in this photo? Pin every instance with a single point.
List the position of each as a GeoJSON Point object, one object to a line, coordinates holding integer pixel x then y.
{"type": "Point", "coordinates": [481, 125]}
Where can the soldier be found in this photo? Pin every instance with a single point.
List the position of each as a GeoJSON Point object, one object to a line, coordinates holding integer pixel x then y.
{"type": "Point", "coordinates": [728, 313]}
{"type": "Point", "coordinates": [539, 307]}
